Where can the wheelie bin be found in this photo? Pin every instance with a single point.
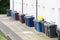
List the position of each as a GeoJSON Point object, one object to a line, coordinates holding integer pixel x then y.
{"type": "Point", "coordinates": [50, 30]}
{"type": "Point", "coordinates": [43, 27]}
{"type": "Point", "coordinates": [35, 24]}
{"type": "Point", "coordinates": [58, 33]}
{"type": "Point", "coordinates": [21, 18]}
{"type": "Point", "coordinates": [12, 14]}
{"type": "Point", "coordinates": [16, 16]}
{"type": "Point", "coordinates": [29, 21]}
{"type": "Point", "coordinates": [8, 12]}
{"type": "Point", "coordinates": [38, 26]}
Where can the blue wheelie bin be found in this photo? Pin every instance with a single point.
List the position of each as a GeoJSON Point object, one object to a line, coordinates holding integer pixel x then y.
{"type": "Point", "coordinates": [38, 26]}
{"type": "Point", "coordinates": [29, 21]}
{"type": "Point", "coordinates": [12, 14]}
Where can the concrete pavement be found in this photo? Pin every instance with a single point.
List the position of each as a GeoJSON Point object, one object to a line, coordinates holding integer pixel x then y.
{"type": "Point", "coordinates": [9, 32]}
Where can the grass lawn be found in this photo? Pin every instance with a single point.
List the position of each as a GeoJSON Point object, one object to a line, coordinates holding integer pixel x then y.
{"type": "Point", "coordinates": [2, 37]}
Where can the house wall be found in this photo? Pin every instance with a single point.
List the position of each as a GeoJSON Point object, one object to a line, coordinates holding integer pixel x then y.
{"type": "Point", "coordinates": [29, 7]}
{"type": "Point", "coordinates": [11, 4]}
{"type": "Point", "coordinates": [49, 9]}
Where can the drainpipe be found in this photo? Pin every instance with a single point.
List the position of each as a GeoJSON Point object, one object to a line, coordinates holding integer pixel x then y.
{"type": "Point", "coordinates": [13, 4]}
{"type": "Point", "coordinates": [36, 9]}
{"type": "Point", "coordinates": [22, 6]}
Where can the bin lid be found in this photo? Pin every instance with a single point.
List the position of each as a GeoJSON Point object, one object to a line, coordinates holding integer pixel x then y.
{"type": "Point", "coordinates": [49, 24]}
{"type": "Point", "coordinates": [40, 18]}
{"type": "Point", "coordinates": [22, 14]}
{"type": "Point", "coordinates": [29, 16]}
{"type": "Point", "coordinates": [37, 21]}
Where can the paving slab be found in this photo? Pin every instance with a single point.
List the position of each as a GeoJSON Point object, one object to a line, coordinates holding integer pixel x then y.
{"type": "Point", "coordinates": [8, 32]}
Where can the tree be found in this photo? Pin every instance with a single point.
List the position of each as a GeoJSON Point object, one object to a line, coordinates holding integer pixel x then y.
{"type": "Point", "coordinates": [4, 4]}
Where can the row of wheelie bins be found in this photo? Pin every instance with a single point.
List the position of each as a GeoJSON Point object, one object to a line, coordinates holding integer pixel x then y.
{"type": "Point", "coordinates": [15, 15]}
{"type": "Point", "coordinates": [28, 20]}
{"type": "Point", "coordinates": [22, 18]}
{"type": "Point", "coordinates": [41, 26]}
{"type": "Point", "coordinates": [48, 28]}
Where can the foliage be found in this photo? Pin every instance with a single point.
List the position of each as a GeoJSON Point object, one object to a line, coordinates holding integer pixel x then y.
{"type": "Point", "coordinates": [4, 4]}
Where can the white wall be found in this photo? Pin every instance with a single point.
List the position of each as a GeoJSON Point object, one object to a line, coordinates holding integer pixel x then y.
{"type": "Point", "coordinates": [16, 6]}
{"type": "Point", "coordinates": [29, 7]}
{"type": "Point", "coordinates": [49, 9]}
{"type": "Point", "coordinates": [11, 4]}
